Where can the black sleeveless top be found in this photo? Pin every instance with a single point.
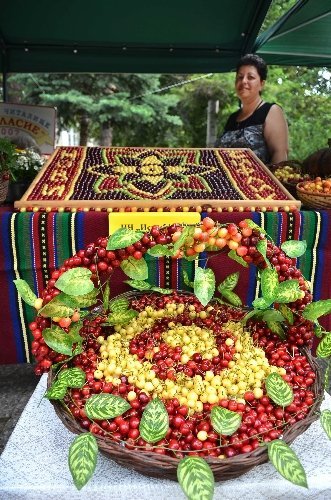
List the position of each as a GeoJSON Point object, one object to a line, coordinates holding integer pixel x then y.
{"type": "Point", "coordinates": [247, 133]}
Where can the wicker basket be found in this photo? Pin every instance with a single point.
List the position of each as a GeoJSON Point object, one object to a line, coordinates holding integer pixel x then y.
{"type": "Point", "coordinates": [165, 467]}
{"type": "Point", "coordinates": [313, 200]}
{"type": "Point", "coordinates": [3, 190]}
{"type": "Point", "coordinates": [290, 186]}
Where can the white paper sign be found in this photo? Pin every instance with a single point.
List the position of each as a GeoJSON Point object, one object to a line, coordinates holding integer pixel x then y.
{"type": "Point", "coordinates": [37, 122]}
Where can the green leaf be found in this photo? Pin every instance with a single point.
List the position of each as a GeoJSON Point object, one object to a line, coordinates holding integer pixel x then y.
{"type": "Point", "coordinates": [56, 307]}
{"type": "Point", "coordinates": [75, 281]}
{"type": "Point", "coordinates": [324, 347]}
{"type": "Point", "coordinates": [250, 314]}
{"type": "Point", "coordinates": [139, 284]}
{"type": "Point", "coordinates": [135, 268]}
{"type": "Point", "coordinates": [316, 309]}
{"type": "Point", "coordinates": [154, 423]}
{"type": "Point", "coordinates": [186, 280]}
{"type": "Point", "coordinates": [74, 331]}
{"type": "Point", "coordinates": [58, 340]}
{"type": "Point", "coordinates": [83, 458]}
{"type": "Point", "coordinates": [232, 297]}
{"type": "Point", "coordinates": [229, 283]}
{"type": "Point", "coordinates": [252, 225]}
{"type": "Point", "coordinates": [160, 251]}
{"type": "Point", "coordinates": [278, 390]}
{"type": "Point", "coordinates": [272, 315]}
{"type": "Point", "coordinates": [119, 305]}
{"type": "Point", "coordinates": [288, 291]}
{"type": "Point", "coordinates": [164, 291]}
{"type": "Point", "coordinates": [104, 406]}
{"type": "Point", "coordinates": [106, 296]}
{"type": "Point", "coordinates": [72, 377]}
{"type": "Point", "coordinates": [196, 478]}
{"type": "Point", "coordinates": [262, 246]}
{"type": "Point", "coordinates": [225, 421]}
{"type": "Point", "coordinates": [327, 375]}
{"type": "Point", "coordinates": [276, 328]}
{"type": "Point", "coordinates": [287, 313]}
{"type": "Point", "coordinates": [121, 317]}
{"type": "Point", "coordinates": [57, 390]}
{"type": "Point", "coordinates": [318, 330]}
{"type": "Point", "coordinates": [269, 284]}
{"type": "Point", "coordinates": [204, 285]}
{"type": "Point", "coordinates": [286, 462]}
{"type": "Point", "coordinates": [326, 422]}
{"type": "Point", "coordinates": [261, 303]}
{"type": "Point", "coordinates": [25, 292]}
{"type": "Point", "coordinates": [234, 256]}
{"type": "Point", "coordinates": [187, 232]}
{"type": "Point", "coordinates": [86, 300]}
{"type": "Point", "coordinates": [294, 248]}
{"type": "Point", "coordinates": [123, 237]}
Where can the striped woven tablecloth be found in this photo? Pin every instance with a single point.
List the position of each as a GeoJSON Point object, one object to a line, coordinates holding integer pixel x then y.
{"type": "Point", "coordinates": [33, 244]}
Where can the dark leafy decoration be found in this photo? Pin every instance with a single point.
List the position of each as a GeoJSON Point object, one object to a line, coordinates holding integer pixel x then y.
{"type": "Point", "coordinates": [187, 232]}
{"type": "Point", "coordinates": [287, 313]}
{"type": "Point", "coordinates": [252, 225]}
{"type": "Point", "coordinates": [57, 390]}
{"type": "Point", "coordinates": [104, 406]}
{"type": "Point", "coordinates": [196, 478]}
{"type": "Point", "coordinates": [327, 375]}
{"type": "Point", "coordinates": [225, 421]}
{"type": "Point", "coordinates": [324, 347]}
{"type": "Point", "coordinates": [262, 246]}
{"type": "Point", "coordinates": [286, 462]}
{"type": "Point", "coordinates": [294, 248]}
{"type": "Point", "coordinates": [123, 237]}
{"type": "Point", "coordinates": [261, 303]}
{"type": "Point", "coordinates": [325, 419]}
{"type": "Point", "coordinates": [58, 340]}
{"type": "Point", "coordinates": [87, 300]}
{"type": "Point", "coordinates": [272, 315]}
{"type": "Point", "coordinates": [269, 284]}
{"type": "Point", "coordinates": [232, 297]}
{"type": "Point", "coordinates": [161, 251]}
{"type": "Point", "coordinates": [316, 309]}
{"type": "Point", "coordinates": [139, 284]}
{"type": "Point", "coordinates": [154, 423]}
{"type": "Point", "coordinates": [276, 328]}
{"type": "Point", "coordinates": [72, 377]}
{"type": "Point", "coordinates": [278, 390]}
{"type": "Point", "coordinates": [163, 291]}
{"type": "Point", "coordinates": [56, 307]}
{"type": "Point", "coordinates": [121, 317]}
{"type": "Point", "coordinates": [83, 453]}
{"type": "Point", "coordinates": [25, 292]}
{"type": "Point", "coordinates": [204, 285]}
{"type": "Point", "coordinates": [186, 280]}
{"type": "Point", "coordinates": [288, 291]}
{"type": "Point", "coordinates": [75, 281]}
{"type": "Point", "coordinates": [250, 314]}
{"type": "Point", "coordinates": [229, 283]}
{"type": "Point", "coordinates": [106, 295]}
{"type": "Point", "coordinates": [233, 255]}
{"type": "Point", "coordinates": [135, 269]}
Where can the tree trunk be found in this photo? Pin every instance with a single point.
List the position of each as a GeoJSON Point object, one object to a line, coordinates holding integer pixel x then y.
{"type": "Point", "coordinates": [83, 130]}
{"type": "Point", "coordinates": [106, 138]}
{"type": "Point", "coordinates": [212, 112]}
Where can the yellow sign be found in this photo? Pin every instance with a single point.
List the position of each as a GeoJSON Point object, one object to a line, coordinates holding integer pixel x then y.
{"type": "Point", "coordinates": [143, 221]}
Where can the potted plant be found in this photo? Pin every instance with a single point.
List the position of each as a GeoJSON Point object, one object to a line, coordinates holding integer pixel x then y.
{"type": "Point", "coordinates": [28, 163]}
{"type": "Point", "coordinates": [8, 157]}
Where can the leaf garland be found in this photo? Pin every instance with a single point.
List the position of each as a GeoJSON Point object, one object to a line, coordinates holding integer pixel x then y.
{"type": "Point", "coordinates": [135, 268]}
{"type": "Point", "coordinates": [25, 292]}
{"type": "Point", "coordinates": [82, 458]}
{"type": "Point", "coordinates": [294, 248]}
{"type": "Point", "coordinates": [204, 285]}
{"type": "Point", "coordinates": [229, 283]}
{"type": "Point", "coordinates": [316, 309]}
{"type": "Point", "coordinates": [269, 284]}
{"type": "Point", "coordinates": [196, 478]}
{"type": "Point", "coordinates": [278, 390]}
{"type": "Point", "coordinates": [234, 256]}
{"type": "Point", "coordinates": [324, 347]}
{"type": "Point", "coordinates": [75, 281]}
{"type": "Point", "coordinates": [154, 423]}
{"type": "Point", "coordinates": [225, 421]}
{"type": "Point", "coordinates": [123, 237]}
{"type": "Point", "coordinates": [104, 406]}
{"type": "Point", "coordinates": [287, 463]}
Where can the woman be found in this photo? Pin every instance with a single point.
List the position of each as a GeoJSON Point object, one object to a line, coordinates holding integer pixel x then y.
{"type": "Point", "coordinates": [258, 125]}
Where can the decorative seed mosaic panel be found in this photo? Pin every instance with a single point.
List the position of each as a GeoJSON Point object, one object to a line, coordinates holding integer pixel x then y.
{"type": "Point", "coordinates": [129, 173]}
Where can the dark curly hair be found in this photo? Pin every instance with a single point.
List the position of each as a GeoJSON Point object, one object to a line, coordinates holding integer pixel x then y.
{"type": "Point", "coordinates": [257, 62]}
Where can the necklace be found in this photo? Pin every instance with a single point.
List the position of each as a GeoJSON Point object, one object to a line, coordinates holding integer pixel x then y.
{"type": "Point", "coordinates": [257, 107]}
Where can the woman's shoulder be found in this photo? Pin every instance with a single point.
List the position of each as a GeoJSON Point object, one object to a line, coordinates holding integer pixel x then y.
{"type": "Point", "coordinates": [231, 123]}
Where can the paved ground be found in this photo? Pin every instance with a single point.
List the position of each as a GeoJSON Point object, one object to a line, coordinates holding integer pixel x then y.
{"type": "Point", "coordinates": [17, 383]}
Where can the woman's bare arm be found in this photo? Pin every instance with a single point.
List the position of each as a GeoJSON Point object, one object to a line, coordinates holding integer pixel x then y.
{"type": "Point", "coordinates": [276, 134]}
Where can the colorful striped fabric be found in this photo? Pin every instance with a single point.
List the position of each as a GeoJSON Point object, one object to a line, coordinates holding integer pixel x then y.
{"type": "Point", "coordinates": [32, 245]}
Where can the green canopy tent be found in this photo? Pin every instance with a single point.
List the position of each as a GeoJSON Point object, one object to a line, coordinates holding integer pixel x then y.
{"type": "Point", "coordinates": [187, 36]}
{"type": "Point", "coordinates": [301, 37]}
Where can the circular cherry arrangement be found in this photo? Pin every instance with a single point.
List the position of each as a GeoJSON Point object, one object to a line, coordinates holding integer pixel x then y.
{"type": "Point", "coordinates": [192, 357]}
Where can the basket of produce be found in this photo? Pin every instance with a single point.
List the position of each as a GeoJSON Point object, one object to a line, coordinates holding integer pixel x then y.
{"type": "Point", "coordinates": [315, 193]}
{"type": "Point", "coordinates": [178, 385]}
{"type": "Point", "coordinates": [289, 173]}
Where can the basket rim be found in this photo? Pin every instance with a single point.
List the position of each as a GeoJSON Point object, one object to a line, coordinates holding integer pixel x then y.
{"type": "Point", "coordinates": [308, 193]}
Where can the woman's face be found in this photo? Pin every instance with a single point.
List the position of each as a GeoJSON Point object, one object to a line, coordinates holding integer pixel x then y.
{"type": "Point", "coordinates": [248, 82]}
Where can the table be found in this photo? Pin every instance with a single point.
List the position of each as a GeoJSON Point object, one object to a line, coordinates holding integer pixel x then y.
{"type": "Point", "coordinates": [33, 466]}
{"type": "Point", "coordinates": [33, 244]}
